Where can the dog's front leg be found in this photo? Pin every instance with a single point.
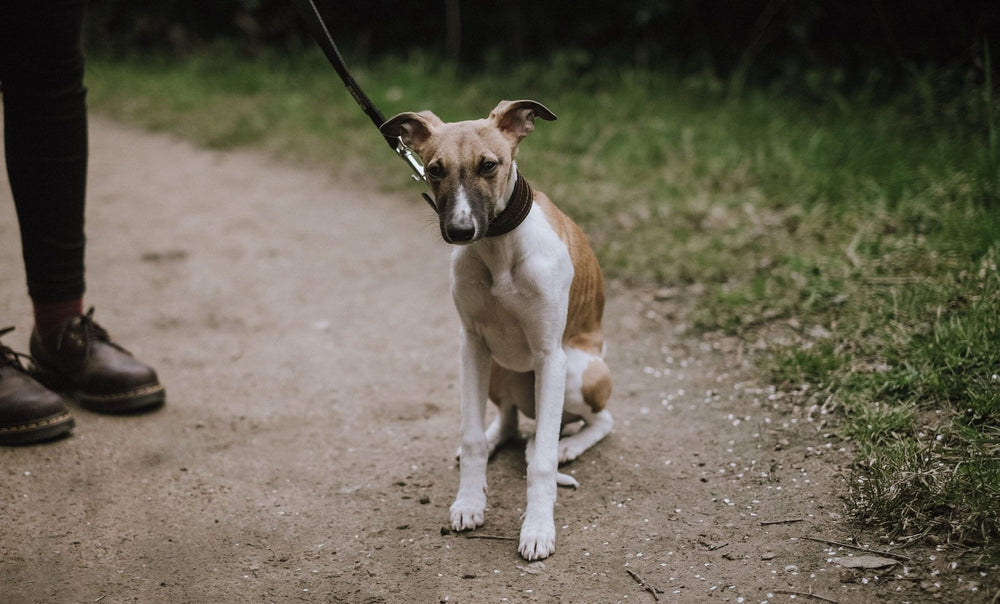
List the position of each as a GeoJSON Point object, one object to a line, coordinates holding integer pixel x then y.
{"type": "Point", "coordinates": [474, 378]}
{"type": "Point", "coordinates": [538, 531]}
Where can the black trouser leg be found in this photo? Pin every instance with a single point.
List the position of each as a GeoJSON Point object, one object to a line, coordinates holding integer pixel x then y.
{"type": "Point", "coordinates": [45, 134]}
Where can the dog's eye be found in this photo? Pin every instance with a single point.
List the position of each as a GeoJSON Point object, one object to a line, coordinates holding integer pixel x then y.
{"type": "Point", "coordinates": [435, 171]}
{"type": "Point", "coordinates": [488, 166]}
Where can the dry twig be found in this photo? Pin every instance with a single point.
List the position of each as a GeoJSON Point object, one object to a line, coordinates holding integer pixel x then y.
{"type": "Point", "coordinates": [803, 594]}
{"type": "Point", "coordinates": [785, 521]}
{"type": "Point", "coordinates": [654, 591]}
{"type": "Point", "coordinates": [858, 548]}
{"type": "Point", "coordinates": [494, 537]}
{"type": "Point", "coordinates": [712, 546]}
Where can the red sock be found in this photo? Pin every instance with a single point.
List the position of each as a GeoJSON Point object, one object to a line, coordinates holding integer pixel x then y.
{"type": "Point", "coordinates": [50, 316]}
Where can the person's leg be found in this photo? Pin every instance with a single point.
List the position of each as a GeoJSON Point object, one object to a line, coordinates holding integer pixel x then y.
{"type": "Point", "coordinates": [45, 132]}
{"type": "Point", "coordinates": [45, 136]}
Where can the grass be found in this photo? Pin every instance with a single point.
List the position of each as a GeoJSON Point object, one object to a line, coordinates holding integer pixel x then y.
{"type": "Point", "coordinates": [869, 228]}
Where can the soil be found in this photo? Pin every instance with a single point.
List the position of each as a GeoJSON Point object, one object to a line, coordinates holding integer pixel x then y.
{"type": "Point", "coordinates": [302, 324]}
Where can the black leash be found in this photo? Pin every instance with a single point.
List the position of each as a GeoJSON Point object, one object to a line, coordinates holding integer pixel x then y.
{"type": "Point", "coordinates": [319, 32]}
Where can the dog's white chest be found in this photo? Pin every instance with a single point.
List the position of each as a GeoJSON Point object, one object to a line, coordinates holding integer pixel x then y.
{"type": "Point", "coordinates": [496, 317]}
{"type": "Point", "coordinates": [513, 292]}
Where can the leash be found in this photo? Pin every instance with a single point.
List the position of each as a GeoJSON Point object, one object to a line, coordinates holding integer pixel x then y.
{"type": "Point", "coordinates": [321, 34]}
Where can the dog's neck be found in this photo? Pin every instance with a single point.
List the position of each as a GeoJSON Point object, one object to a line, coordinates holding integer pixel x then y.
{"type": "Point", "coordinates": [516, 209]}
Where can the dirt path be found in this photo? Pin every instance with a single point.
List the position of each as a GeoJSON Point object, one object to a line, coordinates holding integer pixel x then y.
{"type": "Point", "coordinates": [304, 330]}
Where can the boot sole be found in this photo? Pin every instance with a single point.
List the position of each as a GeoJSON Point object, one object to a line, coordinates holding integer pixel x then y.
{"type": "Point", "coordinates": [136, 401]}
{"type": "Point", "coordinates": [142, 399]}
{"type": "Point", "coordinates": [36, 432]}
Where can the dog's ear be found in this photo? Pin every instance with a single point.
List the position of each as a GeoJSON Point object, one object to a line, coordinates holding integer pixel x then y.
{"type": "Point", "coordinates": [413, 128]}
{"type": "Point", "coordinates": [517, 118]}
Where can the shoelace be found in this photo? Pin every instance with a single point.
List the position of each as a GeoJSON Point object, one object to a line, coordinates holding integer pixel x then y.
{"type": "Point", "coordinates": [84, 330]}
{"type": "Point", "coordinates": [8, 356]}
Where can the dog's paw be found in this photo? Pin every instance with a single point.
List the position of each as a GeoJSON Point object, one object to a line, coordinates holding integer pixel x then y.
{"type": "Point", "coordinates": [570, 449]}
{"type": "Point", "coordinates": [538, 540]}
{"type": "Point", "coordinates": [467, 513]}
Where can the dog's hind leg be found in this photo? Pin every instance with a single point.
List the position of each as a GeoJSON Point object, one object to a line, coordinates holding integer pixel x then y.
{"type": "Point", "coordinates": [588, 387]}
{"type": "Point", "coordinates": [596, 427]}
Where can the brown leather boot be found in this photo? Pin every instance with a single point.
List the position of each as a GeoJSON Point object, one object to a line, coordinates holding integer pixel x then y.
{"type": "Point", "coordinates": [29, 412]}
{"type": "Point", "coordinates": [82, 361]}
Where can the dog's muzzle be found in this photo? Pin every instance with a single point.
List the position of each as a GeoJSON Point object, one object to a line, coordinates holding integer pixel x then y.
{"type": "Point", "coordinates": [460, 229]}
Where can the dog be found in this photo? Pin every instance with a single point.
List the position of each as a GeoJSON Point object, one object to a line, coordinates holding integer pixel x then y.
{"type": "Point", "coordinates": [530, 296]}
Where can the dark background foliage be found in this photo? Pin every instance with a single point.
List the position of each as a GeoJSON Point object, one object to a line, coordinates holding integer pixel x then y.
{"type": "Point", "coordinates": [750, 40]}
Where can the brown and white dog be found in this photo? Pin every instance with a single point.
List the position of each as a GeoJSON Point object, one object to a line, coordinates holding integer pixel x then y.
{"type": "Point", "coordinates": [530, 296]}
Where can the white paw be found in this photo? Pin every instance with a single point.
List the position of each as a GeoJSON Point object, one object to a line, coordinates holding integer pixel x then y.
{"type": "Point", "coordinates": [538, 540]}
{"type": "Point", "coordinates": [467, 512]}
{"type": "Point", "coordinates": [570, 450]}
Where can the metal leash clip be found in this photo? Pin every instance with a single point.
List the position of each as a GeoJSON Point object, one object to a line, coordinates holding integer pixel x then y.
{"type": "Point", "coordinates": [407, 154]}
{"type": "Point", "coordinates": [418, 169]}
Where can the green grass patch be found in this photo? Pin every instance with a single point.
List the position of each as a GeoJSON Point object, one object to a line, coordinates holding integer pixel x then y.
{"type": "Point", "coordinates": [868, 228]}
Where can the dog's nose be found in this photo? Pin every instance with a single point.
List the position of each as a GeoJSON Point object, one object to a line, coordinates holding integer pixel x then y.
{"type": "Point", "coordinates": [460, 233]}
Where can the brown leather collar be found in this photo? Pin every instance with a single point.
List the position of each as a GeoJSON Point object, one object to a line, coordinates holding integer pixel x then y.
{"type": "Point", "coordinates": [516, 210]}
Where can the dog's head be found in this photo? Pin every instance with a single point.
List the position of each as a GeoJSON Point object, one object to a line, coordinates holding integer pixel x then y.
{"type": "Point", "coordinates": [468, 165]}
